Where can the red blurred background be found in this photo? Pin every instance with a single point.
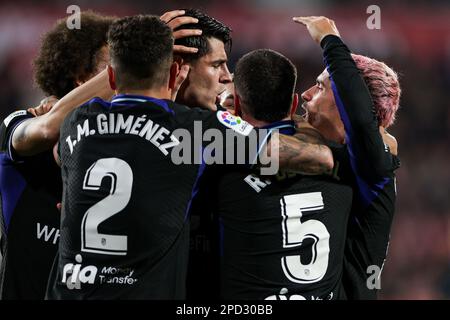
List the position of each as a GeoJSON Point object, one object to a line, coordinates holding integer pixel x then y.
{"type": "Point", "coordinates": [414, 39]}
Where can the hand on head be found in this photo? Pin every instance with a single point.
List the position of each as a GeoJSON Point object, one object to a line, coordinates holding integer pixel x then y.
{"type": "Point", "coordinates": [175, 19]}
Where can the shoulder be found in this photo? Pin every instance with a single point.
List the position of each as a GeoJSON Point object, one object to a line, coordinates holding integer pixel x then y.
{"type": "Point", "coordinates": [9, 124]}
{"type": "Point", "coordinates": [87, 108]}
{"type": "Point", "coordinates": [15, 117]}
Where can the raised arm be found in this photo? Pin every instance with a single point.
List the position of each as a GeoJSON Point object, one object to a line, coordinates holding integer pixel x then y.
{"type": "Point", "coordinates": [370, 158]}
{"type": "Point", "coordinates": [38, 134]}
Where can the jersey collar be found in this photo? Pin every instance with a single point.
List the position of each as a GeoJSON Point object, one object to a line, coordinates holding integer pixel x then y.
{"type": "Point", "coordinates": [286, 127]}
{"type": "Point", "coordinates": [133, 99]}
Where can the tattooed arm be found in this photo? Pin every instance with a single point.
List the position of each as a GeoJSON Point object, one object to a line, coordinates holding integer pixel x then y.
{"type": "Point", "coordinates": [304, 152]}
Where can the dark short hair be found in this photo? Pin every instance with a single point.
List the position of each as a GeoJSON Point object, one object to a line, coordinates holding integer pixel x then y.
{"type": "Point", "coordinates": [70, 55]}
{"type": "Point", "coordinates": [211, 28]}
{"type": "Point", "coordinates": [141, 51]}
{"type": "Point", "coordinates": [265, 82]}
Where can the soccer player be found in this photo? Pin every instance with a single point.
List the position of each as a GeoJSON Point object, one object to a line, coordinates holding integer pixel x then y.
{"type": "Point", "coordinates": [208, 70]}
{"type": "Point", "coordinates": [282, 237]}
{"type": "Point", "coordinates": [207, 82]}
{"type": "Point", "coordinates": [354, 100]}
{"type": "Point", "coordinates": [126, 203]}
{"type": "Point", "coordinates": [30, 181]}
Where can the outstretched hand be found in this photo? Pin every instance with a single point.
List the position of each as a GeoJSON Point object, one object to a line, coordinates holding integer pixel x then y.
{"type": "Point", "coordinates": [318, 27]}
{"type": "Point", "coordinates": [176, 18]}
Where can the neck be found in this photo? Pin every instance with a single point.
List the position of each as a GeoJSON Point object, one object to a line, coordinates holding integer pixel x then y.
{"type": "Point", "coordinates": [159, 93]}
{"type": "Point", "coordinates": [259, 123]}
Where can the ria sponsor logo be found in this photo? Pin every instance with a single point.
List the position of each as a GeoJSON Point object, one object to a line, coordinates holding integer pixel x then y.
{"type": "Point", "coordinates": [75, 274]}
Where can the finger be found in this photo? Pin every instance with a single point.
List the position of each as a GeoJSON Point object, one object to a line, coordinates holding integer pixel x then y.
{"type": "Point", "coordinates": [31, 110]}
{"type": "Point", "coordinates": [59, 206]}
{"type": "Point", "coordinates": [183, 49]}
{"type": "Point", "coordinates": [183, 33]}
{"type": "Point", "coordinates": [47, 107]}
{"type": "Point", "coordinates": [303, 20]}
{"type": "Point", "coordinates": [39, 110]}
{"type": "Point", "coordinates": [166, 17]}
{"type": "Point", "coordinates": [175, 23]}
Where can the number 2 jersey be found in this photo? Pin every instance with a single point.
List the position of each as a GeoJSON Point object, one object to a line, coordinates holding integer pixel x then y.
{"type": "Point", "coordinates": [30, 188]}
{"type": "Point", "coordinates": [126, 201]}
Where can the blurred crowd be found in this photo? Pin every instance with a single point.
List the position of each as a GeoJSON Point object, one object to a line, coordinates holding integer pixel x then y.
{"type": "Point", "coordinates": [414, 39]}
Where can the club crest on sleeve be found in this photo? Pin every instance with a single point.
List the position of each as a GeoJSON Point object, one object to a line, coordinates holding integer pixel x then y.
{"type": "Point", "coordinates": [235, 123]}
{"type": "Point", "coordinates": [14, 115]}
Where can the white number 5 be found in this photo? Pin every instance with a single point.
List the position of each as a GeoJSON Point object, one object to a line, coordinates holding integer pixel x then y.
{"type": "Point", "coordinates": [295, 232]}
{"type": "Point", "coordinates": [119, 195]}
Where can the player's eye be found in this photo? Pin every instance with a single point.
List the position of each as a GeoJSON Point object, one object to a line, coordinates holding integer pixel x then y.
{"type": "Point", "coordinates": [219, 64]}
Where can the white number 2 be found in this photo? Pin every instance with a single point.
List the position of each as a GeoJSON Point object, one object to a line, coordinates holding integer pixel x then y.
{"type": "Point", "coordinates": [119, 195]}
{"type": "Point", "coordinates": [295, 232]}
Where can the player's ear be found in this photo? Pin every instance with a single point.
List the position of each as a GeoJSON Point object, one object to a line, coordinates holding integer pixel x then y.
{"type": "Point", "coordinates": [294, 104]}
{"type": "Point", "coordinates": [174, 70]}
{"type": "Point", "coordinates": [178, 60]}
{"type": "Point", "coordinates": [237, 105]}
{"type": "Point", "coordinates": [111, 77]}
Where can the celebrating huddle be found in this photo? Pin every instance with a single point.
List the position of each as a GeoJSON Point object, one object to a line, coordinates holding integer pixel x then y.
{"type": "Point", "coordinates": [93, 206]}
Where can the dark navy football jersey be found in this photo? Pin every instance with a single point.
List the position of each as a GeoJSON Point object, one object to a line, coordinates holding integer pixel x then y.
{"type": "Point", "coordinates": [126, 200]}
{"type": "Point", "coordinates": [30, 188]}
{"type": "Point", "coordinates": [372, 173]}
{"type": "Point", "coordinates": [367, 244]}
{"type": "Point", "coordinates": [203, 274]}
{"type": "Point", "coordinates": [281, 237]}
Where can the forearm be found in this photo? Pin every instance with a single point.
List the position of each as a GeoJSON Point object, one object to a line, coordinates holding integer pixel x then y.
{"type": "Point", "coordinates": [357, 111]}
{"type": "Point", "coordinates": [41, 133]}
{"type": "Point", "coordinates": [303, 154]}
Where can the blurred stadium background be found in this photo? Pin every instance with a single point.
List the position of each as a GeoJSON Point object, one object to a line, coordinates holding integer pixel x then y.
{"type": "Point", "coordinates": [414, 39]}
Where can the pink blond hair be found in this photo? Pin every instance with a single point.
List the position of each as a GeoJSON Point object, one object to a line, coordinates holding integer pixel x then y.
{"type": "Point", "coordinates": [383, 85]}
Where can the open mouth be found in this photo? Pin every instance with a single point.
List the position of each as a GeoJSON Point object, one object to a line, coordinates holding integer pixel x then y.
{"type": "Point", "coordinates": [219, 97]}
{"type": "Point", "coordinates": [305, 115]}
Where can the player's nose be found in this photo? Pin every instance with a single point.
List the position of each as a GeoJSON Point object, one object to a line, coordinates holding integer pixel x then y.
{"type": "Point", "coordinates": [226, 76]}
{"type": "Point", "coordinates": [307, 95]}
